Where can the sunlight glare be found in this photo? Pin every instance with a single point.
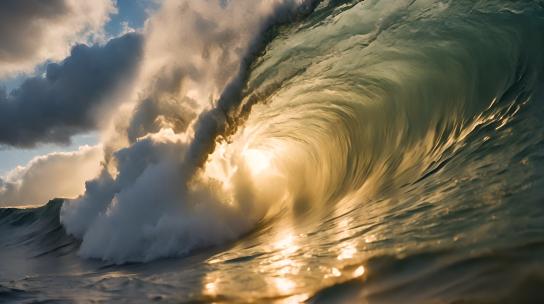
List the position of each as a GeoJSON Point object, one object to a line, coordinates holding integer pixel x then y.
{"type": "Point", "coordinates": [359, 271]}
{"type": "Point", "coordinates": [284, 285]}
{"type": "Point", "coordinates": [257, 160]}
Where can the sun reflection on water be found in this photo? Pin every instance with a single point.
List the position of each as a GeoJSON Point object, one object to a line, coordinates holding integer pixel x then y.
{"type": "Point", "coordinates": [283, 285]}
{"type": "Point", "coordinates": [279, 266]}
{"type": "Point", "coordinates": [347, 252]}
{"type": "Point", "coordinates": [359, 271]}
{"type": "Point", "coordinates": [210, 289]}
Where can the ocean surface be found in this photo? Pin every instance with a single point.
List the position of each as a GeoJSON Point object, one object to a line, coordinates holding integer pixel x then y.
{"type": "Point", "coordinates": [408, 137]}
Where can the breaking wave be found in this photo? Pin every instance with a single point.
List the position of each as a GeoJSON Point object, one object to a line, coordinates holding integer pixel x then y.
{"type": "Point", "coordinates": [343, 104]}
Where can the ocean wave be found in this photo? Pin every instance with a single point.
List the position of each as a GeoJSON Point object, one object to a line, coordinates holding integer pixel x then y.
{"type": "Point", "coordinates": [359, 143]}
{"type": "Point", "coordinates": [343, 105]}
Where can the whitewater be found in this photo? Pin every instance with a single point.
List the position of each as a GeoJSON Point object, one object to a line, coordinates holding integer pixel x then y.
{"type": "Point", "coordinates": [319, 152]}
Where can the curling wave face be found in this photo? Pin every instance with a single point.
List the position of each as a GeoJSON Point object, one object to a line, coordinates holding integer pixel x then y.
{"type": "Point", "coordinates": [375, 94]}
{"type": "Point", "coordinates": [369, 137]}
{"type": "Point", "coordinates": [395, 128]}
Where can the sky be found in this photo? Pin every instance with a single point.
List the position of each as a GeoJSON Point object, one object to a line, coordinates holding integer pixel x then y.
{"type": "Point", "coordinates": [129, 14]}
{"type": "Point", "coordinates": [64, 66]}
{"type": "Point", "coordinates": [13, 157]}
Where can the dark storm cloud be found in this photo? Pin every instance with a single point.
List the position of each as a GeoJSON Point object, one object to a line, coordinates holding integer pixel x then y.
{"type": "Point", "coordinates": [52, 108]}
{"type": "Point", "coordinates": [20, 21]}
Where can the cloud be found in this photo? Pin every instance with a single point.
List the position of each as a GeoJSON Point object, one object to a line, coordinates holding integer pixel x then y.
{"type": "Point", "coordinates": [64, 102]}
{"type": "Point", "coordinates": [33, 31]}
{"type": "Point", "coordinates": [60, 174]}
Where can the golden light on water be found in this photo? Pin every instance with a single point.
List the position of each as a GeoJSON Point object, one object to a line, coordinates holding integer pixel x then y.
{"type": "Point", "coordinates": [296, 299]}
{"type": "Point", "coordinates": [286, 243]}
{"type": "Point", "coordinates": [371, 238]}
{"type": "Point", "coordinates": [283, 285]}
{"type": "Point", "coordinates": [280, 267]}
{"type": "Point", "coordinates": [210, 289]}
{"type": "Point", "coordinates": [280, 272]}
{"type": "Point", "coordinates": [347, 252]}
{"type": "Point", "coordinates": [359, 271]}
{"type": "Point", "coordinates": [333, 272]}
{"type": "Point", "coordinates": [283, 261]}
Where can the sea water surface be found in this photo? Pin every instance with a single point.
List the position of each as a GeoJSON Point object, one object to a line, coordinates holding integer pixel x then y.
{"type": "Point", "coordinates": [410, 137]}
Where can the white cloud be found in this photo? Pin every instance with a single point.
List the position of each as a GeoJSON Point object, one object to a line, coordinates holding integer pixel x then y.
{"type": "Point", "coordinates": [59, 174]}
